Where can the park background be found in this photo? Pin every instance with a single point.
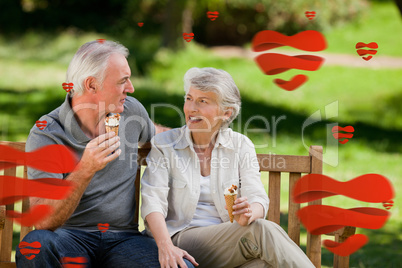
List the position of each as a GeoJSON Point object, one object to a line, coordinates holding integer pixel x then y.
{"type": "Point", "coordinates": [39, 37]}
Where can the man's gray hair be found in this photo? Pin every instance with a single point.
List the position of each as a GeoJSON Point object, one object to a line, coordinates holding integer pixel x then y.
{"type": "Point", "coordinates": [218, 81]}
{"type": "Point", "coordinates": [91, 60]}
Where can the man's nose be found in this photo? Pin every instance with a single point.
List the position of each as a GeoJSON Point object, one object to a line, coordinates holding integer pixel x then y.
{"type": "Point", "coordinates": [129, 88]}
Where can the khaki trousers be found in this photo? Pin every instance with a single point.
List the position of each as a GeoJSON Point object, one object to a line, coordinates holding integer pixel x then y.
{"type": "Point", "coordinates": [260, 244]}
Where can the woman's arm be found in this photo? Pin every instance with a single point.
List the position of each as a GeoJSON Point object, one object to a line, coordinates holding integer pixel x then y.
{"type": "Point", "coordinates": [250, 182]}
{"type": "Point", "coordinates": [253, 203]}
{"type": "Point", "coordinates": [169, 254]}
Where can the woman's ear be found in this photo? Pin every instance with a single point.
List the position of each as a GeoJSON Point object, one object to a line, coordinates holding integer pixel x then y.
{"type": "Point", "coordinates": [228, 113]}
{"type": "Point", "coordinates": [91, 85]}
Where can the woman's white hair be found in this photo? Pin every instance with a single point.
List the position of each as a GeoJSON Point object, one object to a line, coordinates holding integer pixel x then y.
{"type": "Point", "coordinates": [218, 81]}
{"type": "Point", "coordinates": [91, 60]}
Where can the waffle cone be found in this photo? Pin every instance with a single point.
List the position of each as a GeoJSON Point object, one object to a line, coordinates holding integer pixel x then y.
{"type": "Point", "coordinates": [110, 129]}
{"type": "Point", "coordinates": [229, 203]}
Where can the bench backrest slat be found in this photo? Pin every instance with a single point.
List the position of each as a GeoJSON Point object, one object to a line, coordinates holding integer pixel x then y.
{"type": "Point", "coordinates": [293, 220]}
{"type": "Point", "coordinates": [7, 233]}
{"type": "Point", "coordinates": [274, 193]}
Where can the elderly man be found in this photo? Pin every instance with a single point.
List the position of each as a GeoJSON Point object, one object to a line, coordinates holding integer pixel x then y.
{"type": "Point", "coordinates": [104, 177]}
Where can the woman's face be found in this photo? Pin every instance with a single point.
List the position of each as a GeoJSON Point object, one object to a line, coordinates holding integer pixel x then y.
{"type": "Point", "coordinates": [203, 112]}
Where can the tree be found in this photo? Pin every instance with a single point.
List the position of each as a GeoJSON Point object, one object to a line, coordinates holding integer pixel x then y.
{"type": "Point", "coordinates": [399, 5]}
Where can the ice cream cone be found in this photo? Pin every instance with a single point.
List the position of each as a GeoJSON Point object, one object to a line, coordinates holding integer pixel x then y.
{"type": "Point", "coordinates": [112, 123]}
{"type": "Point", "coordinates": [230, 199]}
{"type": "Point", "coordinates": [112, 128]}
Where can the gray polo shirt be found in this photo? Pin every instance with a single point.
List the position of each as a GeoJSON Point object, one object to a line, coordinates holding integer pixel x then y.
{"type": "Point", "coordinates": [109, 198]}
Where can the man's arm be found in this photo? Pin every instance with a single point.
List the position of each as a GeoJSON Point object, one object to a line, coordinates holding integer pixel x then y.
{"type": "Point", "coordinates": [160, 128]}
{"type": "Point", "coordinates": [96, 156]}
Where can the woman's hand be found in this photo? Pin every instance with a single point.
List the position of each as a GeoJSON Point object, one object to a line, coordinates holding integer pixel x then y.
{"type": "Point", "coordinates": [169, 254]}
{"type": "Point", "coordinates": [245, 213]}
{"type": "Point", "coordinates": [172, 256]}
{"type": "Point", "coordinates": [242, 211]}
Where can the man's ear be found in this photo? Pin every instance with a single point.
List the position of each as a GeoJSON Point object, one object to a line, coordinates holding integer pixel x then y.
{"type": "Point", "coordinates": [91, 85]}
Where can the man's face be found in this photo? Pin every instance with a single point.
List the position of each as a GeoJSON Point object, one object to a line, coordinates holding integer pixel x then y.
{"type": "Point", "coordinates": [116, 84]}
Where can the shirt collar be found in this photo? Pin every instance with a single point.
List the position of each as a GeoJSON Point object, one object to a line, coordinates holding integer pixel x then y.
{"type": "Point", "coordinates": [224, 139]}
{"type": "Point", "coordinates": [71, 126]}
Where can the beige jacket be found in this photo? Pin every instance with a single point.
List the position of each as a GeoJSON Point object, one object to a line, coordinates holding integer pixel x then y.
{"type": "Point", "coordinates": [171, 182]}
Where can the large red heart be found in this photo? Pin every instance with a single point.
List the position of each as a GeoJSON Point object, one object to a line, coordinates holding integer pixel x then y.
{"type": "Point", "coordinates": [275, 63]}
{"type": "Point", "coordinates": [323, 219]}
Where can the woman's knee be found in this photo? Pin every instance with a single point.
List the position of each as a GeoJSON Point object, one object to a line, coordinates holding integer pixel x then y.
{"type": "Point", "coordinates": [265, 224]}
{"type": "Point", "coordinates": [265, 227]}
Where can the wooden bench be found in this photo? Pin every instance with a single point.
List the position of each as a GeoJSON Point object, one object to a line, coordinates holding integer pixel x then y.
{"type": "Point", "coordinates": [276, 165]}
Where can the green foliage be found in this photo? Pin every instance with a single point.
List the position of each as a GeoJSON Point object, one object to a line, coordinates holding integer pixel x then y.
{"type": "Point", "coordinates": [240, 20]}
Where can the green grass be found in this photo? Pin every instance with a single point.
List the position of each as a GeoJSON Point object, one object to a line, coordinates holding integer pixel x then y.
{"type": "Point", "coordinates": [381, 24]}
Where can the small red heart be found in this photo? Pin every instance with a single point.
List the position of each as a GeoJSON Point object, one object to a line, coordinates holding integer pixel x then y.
{"type": "Point", "coordinates": [212, 15]}
{"type": "Point", "coordinates": [188, 36]}
{"type": "Point", "coordinates": [364, 52]}
{"type": "Point", "coordinates": [101, 41]}
{"type": "Point", "coordinates": [41, 124]}
{"type": "Point", "coordinates": [103, 227]}
{"type": "Point", "coordinates": [140, 24]}
{"type": "Point", "coordinates": [345, 136]}
{"type": "Point", "coordinates": [388, 204]}
{"type": "Point", "coordinates": [67, 86]}
{"type": "Point", "coordinates": [310, 14]}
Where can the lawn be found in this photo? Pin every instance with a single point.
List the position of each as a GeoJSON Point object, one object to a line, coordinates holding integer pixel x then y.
{"type": "Point", "coordinates": [33, 67]}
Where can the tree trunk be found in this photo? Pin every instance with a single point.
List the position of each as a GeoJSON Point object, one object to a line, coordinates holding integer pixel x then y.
{"type": "Point", "coordinates": [173, 24]}
{"type": "Point", "coordinates": [399, 5]}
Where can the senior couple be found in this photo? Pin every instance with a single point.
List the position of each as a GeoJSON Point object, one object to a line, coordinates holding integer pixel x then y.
{"type": "Point", "coordinates": [183, 206]}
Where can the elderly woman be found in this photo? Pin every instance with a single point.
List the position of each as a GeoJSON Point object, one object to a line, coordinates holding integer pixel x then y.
{"type": "Point", "coordinates": [189, 168]}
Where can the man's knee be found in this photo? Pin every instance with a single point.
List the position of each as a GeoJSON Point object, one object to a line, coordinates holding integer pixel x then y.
{"type": "Point", "coordinates": [39, 240]}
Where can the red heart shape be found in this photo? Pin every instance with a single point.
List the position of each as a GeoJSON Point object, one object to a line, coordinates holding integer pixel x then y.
{"type": "Point", "coordinates": [340, 136]}
{"type": "Point", "coordinates": [140, 24]}
{"type": "Point", "coordinates": [41, 124]}
{"type": "Point", "coordinates": [294, 83]}
{"type": "Point", "coordinates": [103, 227]}
{"type": "Point", "coordinates": [388, 204]}
{"type": "Point", "coordinates": [212, 15]}
{"type": "Point", "coordinates": [310, 14]}
{"type": "Point", "coordinates": [188, 36]}
{"type": "Point", "coordinates": [363, 52]}
{"type": "Point", "coordinates": [67, 86]}
{"type": "Point", "coordinates": [34, 249]}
